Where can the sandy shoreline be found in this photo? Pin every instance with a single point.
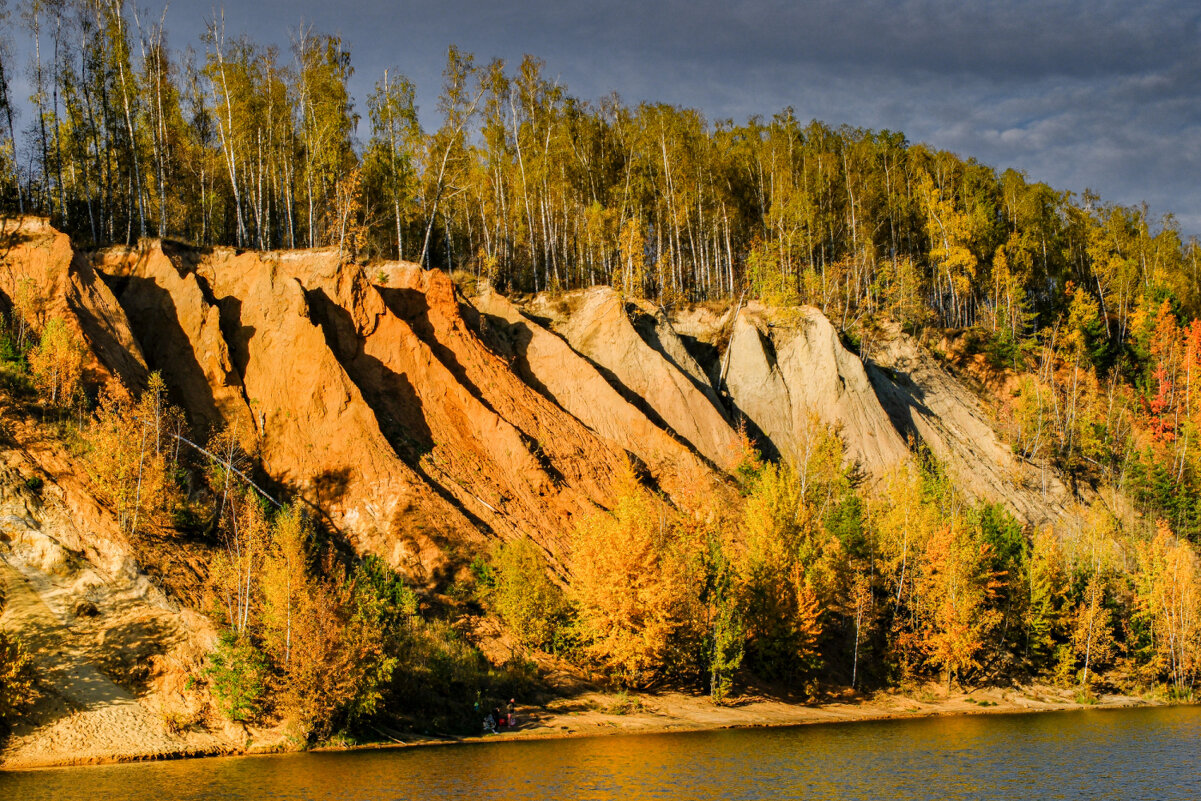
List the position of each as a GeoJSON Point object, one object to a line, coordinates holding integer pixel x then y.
{"type": "Point", "coordinates": [679, 712]}
{"type": "Point", "coordinates": [596, 715]}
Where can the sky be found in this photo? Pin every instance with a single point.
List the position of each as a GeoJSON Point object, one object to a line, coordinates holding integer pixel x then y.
{"type": "Point", "coordinates": [1096, 94]}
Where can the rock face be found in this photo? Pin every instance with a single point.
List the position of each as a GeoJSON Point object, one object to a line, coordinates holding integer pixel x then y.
{"type": "Point", "coordinates": [515, 462]}
{"type": "Point", "coordinates": [38, 260]}
{"type": "Point", "coordinates": [74, 590]}
{"type": "Point", "coordinates": [546, 362]}
{"type": "Point", "coordinates": [644, 359]}
{"type": "Point", "coordinates": [239, 345]}
{"type": "Point", "coordinates": [925, 400]}
{"type": "Point", "coordinates": [172, 312]}
{"type": "Point", "coordinates": [783, 369]}
{"type": "Point", "coordinates": [377, 405]}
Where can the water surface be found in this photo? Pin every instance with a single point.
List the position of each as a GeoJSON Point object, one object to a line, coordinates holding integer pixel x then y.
{"type": "Point", "coordinates": [1093, 754]}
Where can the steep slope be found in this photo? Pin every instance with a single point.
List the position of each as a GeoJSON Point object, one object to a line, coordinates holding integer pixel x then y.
{"type": "Point", "coordinates": [546, 362]}
{"type": "Point", "coordinates": [517, 463]}
{"type": "Point", "coordinates": [378, 405]}
{"type": "Point", "coordinates": [642, 358]}
{"type": "Point", "coordinates": [267, 372]}
{"type": "Point", "coordinates": [84, 715]}
{"type": "Point", "coordinates": [178, 323]}
{"type": "Point", "coordinates": [926, 401]}
{"type": "Point", "coordinates": [427, 300]}
{"type": "Point", "coordinates": [784, 366]}
{"type": "Point", "coordinates": [38, 260]}
{"type": "Point", "coordinates": [113, 650]}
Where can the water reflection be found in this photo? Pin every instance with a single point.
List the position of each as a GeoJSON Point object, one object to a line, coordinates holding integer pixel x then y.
{"type": "Point", "coordinates": [1102, 754]}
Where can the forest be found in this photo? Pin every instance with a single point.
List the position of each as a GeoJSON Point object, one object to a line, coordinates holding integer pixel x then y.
{"type": "Point", "coordinates": [1089, 309]}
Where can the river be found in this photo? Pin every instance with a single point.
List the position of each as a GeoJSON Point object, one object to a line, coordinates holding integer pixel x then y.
{"type": "Point", "coordinates": [1094, 754]}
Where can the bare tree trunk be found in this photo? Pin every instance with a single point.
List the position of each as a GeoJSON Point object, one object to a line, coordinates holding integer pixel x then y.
{"type": "Point", "coordinates": [227, 145]}
{"type": "Point", "coordinates": [133, 142]}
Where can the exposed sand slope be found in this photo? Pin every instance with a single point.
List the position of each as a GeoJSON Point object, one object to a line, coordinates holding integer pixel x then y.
{"type": "Point", "coordinates": [65, 286]}
{"type": "Point", "coordinates": [546, 362]}
{"type": "Point", "coordinates": [286, 394]}
{"type": "Point", "coordinates": [112, 651]}
{"type": "Point", "coordinates": [378, 404]}
{"type": "Point", "coordinates": [569, 449]}
{"type": "Point", "coordinates": [786, 366]}
{"type": "Point", "coordinates": [83, 716]}
{"type": "Point", "coordinates": [515, 461]}
{"type": "Point", "coordinates": [645, 361]}
{"type": "Point", "coordinates": [934, 406]}
{"type": "Point", "coordinates": [176, 319]}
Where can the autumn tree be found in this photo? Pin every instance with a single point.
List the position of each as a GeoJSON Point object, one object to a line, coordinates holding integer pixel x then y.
{"type": "Point", "coordinates": [1092, 641]}
{"type": "Point", "coordinates": [458, 102]}
{"type": "Point", "coordinates": [725, 641]}
{"type": "Point", "coordinates": [902, 523]}
{"type": "Point", "coordinates": [285, 580]}
{"type": "Point", "coordinates": [785, 566]}
{"type": "Point", "coordinates": [18, 687]}
{"type": "Point", "coordinates": [1046, 586]}
{"type": "Point", "coordinates": [389, 163]}
{"type": "Point", "coordinates": [132, 455]}
{"type": "Point", "coordinates": [57, 363]}
{"type": "Point", "coordinates": [524, 595]}
{"type": "Point", "coordinates": [1168, 592]}
{"type": "Point", "coordinates": [327, 122]}
{"type": "Point", "coordinates": [634, 583]}
{"type": "Point", "coordinates": [237, 571]}
{"type": "Point", "coordinates": [956, 583]}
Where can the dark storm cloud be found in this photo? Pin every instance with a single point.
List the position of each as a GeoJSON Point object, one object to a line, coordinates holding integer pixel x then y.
{"type": "Point", "coordinates": [1003, 41]}
{"type": "Point", "coordinates": [1104, 94]}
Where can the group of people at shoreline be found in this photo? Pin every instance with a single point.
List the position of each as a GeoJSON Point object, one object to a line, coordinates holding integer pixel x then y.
{"type": "Point", "coordinates": [497, 720]}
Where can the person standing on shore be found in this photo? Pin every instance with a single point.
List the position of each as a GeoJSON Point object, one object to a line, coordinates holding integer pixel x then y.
{"type": "Point", "coordinates": [512, 713]}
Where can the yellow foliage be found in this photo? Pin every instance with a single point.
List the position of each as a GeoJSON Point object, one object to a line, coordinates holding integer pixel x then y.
{"type": "Point", "coordinates": [1092, 636]}
{"type": "Point", "coordinates": [952, 234]}
{"type": "Point", "coordinates": [525, 597]}
{"type": "Point", "coordinates": [767, 280]}
{"type": "Point", "coordinates": [285, 580]}
{"type": "Point", "coordinates": [328, 655]}
{"type": "Point", "coordinates": [18, 680]}
{"type": "Point", "coordinates": [1169, 597]}
{"type": "Point", "coordinates": [1082, 317]}
{"type": "Point", "coordinates": [29, 310]}
{"type": "Point", "coordinates": [131, 456]}
{"type": "Point", "coordinates": [237, 569]}
{"type": "Point", "coordinates": [786, 573]}
{"type": "Point", "coordinates": [635, 582]}
{"type": "Point", "coordinates": [629, 274]}
{"type": "Point", "coordinates": [1047, 584]}
{"type": "Point", "coordinates": [57, 363]}
{"type": "Point", "coordinates": [955, 585]}
{"type": "Point", "coordinates": [902, 523]}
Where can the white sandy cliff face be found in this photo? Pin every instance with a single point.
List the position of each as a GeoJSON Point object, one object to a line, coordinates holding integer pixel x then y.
{"type": "Point", "coordinates": [781, 373]}
{"type": "Point", "coordinates": [112, 652]}
{"type": "Point", "coordinates": [646, 361]}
